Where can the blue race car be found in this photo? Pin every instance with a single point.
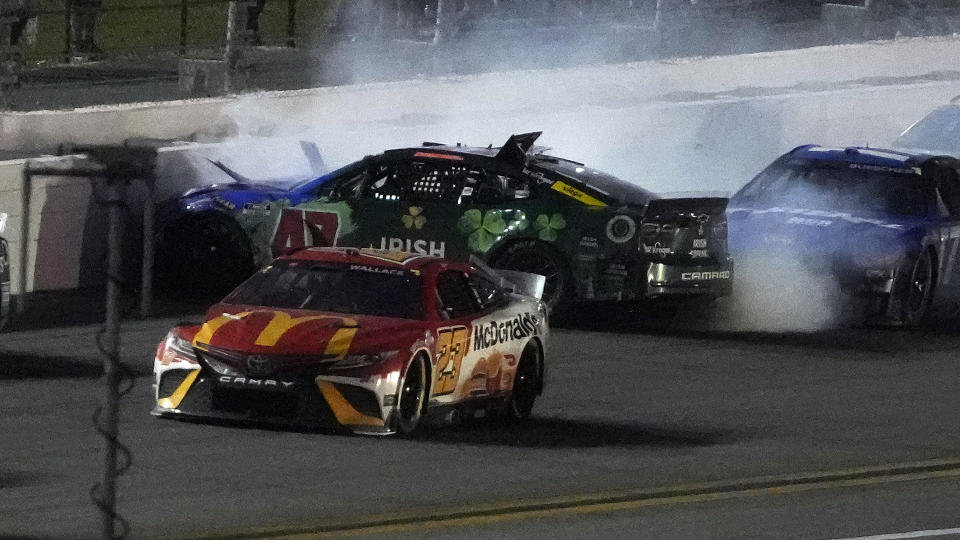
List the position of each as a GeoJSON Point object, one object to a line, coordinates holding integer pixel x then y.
{"type": "Point", "coordinates": [880, 224]}
{"type": "Point", "coordinates": [204, 243]}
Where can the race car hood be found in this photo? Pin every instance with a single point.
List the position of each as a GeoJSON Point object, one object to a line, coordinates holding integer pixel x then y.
{"type": "Point", "coordinates": [299, 338]}
{"type": "Point", "coordinates": [815, 232]}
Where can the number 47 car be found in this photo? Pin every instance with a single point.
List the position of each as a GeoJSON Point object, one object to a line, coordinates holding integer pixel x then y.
{"type": "Point", "coordinates": [365, 340]}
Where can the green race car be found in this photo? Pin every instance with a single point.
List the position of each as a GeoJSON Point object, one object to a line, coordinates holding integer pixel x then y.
{"type": "Point", "coordinates": [592, 235]}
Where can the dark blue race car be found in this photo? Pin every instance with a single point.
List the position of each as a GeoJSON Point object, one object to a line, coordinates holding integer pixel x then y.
{"type": "Point", "coordinates": [201, 240]}
{"type": "Point", "coordinates": [881, 224]}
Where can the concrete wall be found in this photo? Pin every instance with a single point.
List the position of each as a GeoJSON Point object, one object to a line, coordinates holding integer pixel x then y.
{"type": "Point", "coordinates": [693, 124]}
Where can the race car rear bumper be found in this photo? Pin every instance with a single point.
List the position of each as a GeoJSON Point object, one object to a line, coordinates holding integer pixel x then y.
{"type": "Point", "coordinates": [667, 280]}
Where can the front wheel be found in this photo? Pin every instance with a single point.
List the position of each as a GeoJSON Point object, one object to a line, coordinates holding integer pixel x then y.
{"type": "Point", "coordinates": [411, 397]}
{"type": "Point", "coordinates": [918, 294]}
{"type": "Point", "coordinates": [206, 253]}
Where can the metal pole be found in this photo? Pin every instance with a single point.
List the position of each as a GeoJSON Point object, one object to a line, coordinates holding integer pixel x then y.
{"type": "Point", "coordinates": [291, 23]}
{"type": "Point", "coordinates": [68, 30]}
{"type": "Point", "coordinates": [230, 51]}
{"type": "Point", "coordinates": [25, 194]}
{"type": "Point", "coordinates": [439, 30]}
{"type": "Point", "coordinates": [111, 365]}
{"type": "Point", "coordinates": [146, 273]}
{"type": "Point", "coordinates": [183, 27]}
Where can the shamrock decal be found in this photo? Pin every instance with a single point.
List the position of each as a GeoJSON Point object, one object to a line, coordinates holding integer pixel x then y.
{"type": "Point", "coordinates": [414, 218]}
{"type": "Point", "coordinates": [547, 227]}
{"type": "Point", "coordinates": [482, 230]}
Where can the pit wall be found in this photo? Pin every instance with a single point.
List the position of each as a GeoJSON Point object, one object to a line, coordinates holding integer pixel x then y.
{"type": "Point", "coordinates": [693, 124]}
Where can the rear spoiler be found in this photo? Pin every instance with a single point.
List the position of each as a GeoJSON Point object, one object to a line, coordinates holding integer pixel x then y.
{"type": "Point", "coordinates": [517, 146]}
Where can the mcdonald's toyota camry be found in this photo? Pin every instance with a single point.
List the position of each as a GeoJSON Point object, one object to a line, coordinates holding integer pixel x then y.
{"type": "Point", "coordinates": [592, 235]}
{"type": "Point", "coordinates": [881, 225]}
{"type": "Point", "coordinates": [370, 341]}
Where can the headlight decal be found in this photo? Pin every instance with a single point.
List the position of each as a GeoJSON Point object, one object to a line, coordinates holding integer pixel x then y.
{"type": "Point", "coordinates": [344, 412]}
{"type": "Point", "coordinates": [174, 400]}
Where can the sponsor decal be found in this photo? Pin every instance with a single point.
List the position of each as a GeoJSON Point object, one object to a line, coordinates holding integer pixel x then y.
{"type": "Point", "coordinates": [377, 269]}
{"type": "Point", "coordinates": [298, 228]}
{"type": "Point", "coordinates": [416, 246]}
{"type": "Point", "coordinates": [657, 249]}
{"type": "Point", "coordinates": [829, 214]}
{"type": "Point", "coordinates": [620, 229]}
{"type": "Point", "coordinates": [881, 168]}
{"type": "Point", "coordinates": [589, 242]}
{"type": "Point", "coordinates": [496, 332]}
{"type": "Point", "coordinates": [280, 324]}
{"type": "Point", "coordinates": [249, 382]}
{"type": "Point", "coordinates": [414, 218]}
{"type": "Point", "coordinates": [699, 243]}
{"type": "Point", "coordinates": [484, 229]}
{"type": "Point", "coordinates": [616, 270]}
{"type": "Point", "coordinates": [491, 375]}
{"type": "Point", "coordinates": [548, 226]}
{"type": "Point", "coordinates": [705, 276]}
{"type": "Point", "coordinates": [699, 253]}
{"type": "Point", "coordinates": [575, 193]}
{"type": "Point", "coordinates": [813, 222]}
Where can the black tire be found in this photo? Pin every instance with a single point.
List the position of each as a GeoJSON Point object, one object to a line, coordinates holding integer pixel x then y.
{"type": "Point", "coordinates": [411, 397]}
{"type": "Point", "coordinates": [918, 291]}
{"type": "Point", "coordinates": [208, 254]}
{"type": "Point", "coordinates": [527, 384]}
{"type": "Point", "coordinates": [537, 258]}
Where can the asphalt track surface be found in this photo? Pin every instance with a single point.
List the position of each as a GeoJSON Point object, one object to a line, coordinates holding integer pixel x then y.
{"type": "Point", "coordinates": [834, 434]}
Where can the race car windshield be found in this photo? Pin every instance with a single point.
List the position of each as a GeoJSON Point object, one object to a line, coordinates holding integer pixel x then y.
{"type": "Point", "coordinates": [839, 187]}
{"type": "Point", "coordinates": [938, 132]}
{"type": "Point", "coordinates": [352, 289]}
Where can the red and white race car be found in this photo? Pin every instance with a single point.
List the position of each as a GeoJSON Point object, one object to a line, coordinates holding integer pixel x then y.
{"type": "Point", "coordinates": [369, 340]}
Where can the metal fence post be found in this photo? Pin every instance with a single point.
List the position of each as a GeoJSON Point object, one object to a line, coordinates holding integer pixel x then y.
{"type": "Point", "coordinates": [111, 365]}
{"type": "Point", "coordinates": [146, 272]}
{"type": "Point", "coordinates": [25, 195]}
{"type": "Point", "coordinates": [231, 50]}
{"type": "Point", "coordinates": [67, 30]}
{"type": "Point", "coordinates": [291, 23]}
{"type": "Point", "coordinates": [183, 27]}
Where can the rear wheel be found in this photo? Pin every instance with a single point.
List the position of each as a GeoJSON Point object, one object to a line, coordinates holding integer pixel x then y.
{"type": "Point", "coordinates": [411, 397]}
{"type": "Point", "coordinates": [527, 384]}
{"type": "Point", "coordinates": [536, 258]}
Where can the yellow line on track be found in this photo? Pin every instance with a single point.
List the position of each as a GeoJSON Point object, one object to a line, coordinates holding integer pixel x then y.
{"type": "Point", "coordinates": [606, 502]}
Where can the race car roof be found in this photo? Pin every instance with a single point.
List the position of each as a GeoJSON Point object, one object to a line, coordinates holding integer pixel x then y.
{"type": "Point", "coordinates": [513, 152]}
{"type": "Point", "coordinates": [367, 256]}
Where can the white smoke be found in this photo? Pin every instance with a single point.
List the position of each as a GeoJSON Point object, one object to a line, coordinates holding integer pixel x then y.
{"type": "Point", "coordinates": [779, 294]}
